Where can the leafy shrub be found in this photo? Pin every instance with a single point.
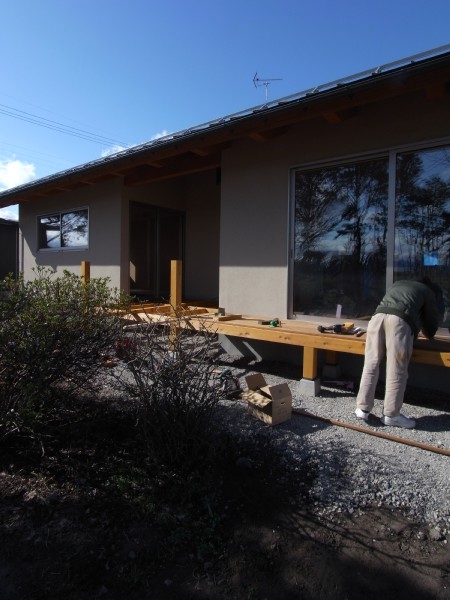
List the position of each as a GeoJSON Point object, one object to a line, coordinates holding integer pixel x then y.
{"type": "Point", "coordinates": [54, 331]}
{"type": "Point", "coordinates": [169, 370]}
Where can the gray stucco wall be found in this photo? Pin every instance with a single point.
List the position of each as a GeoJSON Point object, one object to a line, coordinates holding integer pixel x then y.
{"type": "Point", "coordinates": [255, 203]}
{"type": "Point", "coordinates": [202, 236]}
{"type": "Point", "coordinates": [254, 231]}
{"type": "Point", "coordinates": [197, 196]}
{"type": "Point", "coordinates": [106, 232]}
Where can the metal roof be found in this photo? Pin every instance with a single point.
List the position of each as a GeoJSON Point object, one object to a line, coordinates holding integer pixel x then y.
{"type": "Point", "coordinates": [261, 110]}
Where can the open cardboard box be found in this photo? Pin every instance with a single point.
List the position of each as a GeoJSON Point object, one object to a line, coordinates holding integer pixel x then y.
{"type": "Point", "coordinates": [269, 403]}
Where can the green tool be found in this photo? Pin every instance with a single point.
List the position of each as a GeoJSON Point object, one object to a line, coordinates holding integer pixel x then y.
{"type": "Point", "coordinates": [272, 323]}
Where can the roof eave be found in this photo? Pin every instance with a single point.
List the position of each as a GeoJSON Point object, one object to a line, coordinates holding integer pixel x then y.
{"type": "Point", "coordinates": [215, 135]}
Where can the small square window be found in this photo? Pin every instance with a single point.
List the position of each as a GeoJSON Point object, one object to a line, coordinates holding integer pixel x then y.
{"type": "Point", "coordinates": [68, 230]}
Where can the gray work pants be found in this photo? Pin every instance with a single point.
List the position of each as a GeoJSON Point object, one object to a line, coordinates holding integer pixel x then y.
{"type": "Point", "coordinates": [391, 337]}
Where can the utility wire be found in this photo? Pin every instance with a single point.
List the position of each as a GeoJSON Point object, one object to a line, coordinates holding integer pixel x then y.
{"type": "Point", "coordinates": [56, 126]}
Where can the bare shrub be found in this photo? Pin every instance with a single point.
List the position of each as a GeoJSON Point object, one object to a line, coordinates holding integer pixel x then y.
{"type": "Point", "coordinates": [168, 368]}
{"type": "Point", "coordinates": [54, 331]}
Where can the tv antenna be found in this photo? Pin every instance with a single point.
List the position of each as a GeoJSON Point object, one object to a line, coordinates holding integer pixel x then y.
{"type": "Point", "coordinates": [264, 81]}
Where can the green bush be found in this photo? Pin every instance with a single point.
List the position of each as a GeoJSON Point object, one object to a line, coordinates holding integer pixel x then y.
{"type": "Point", "coordinates": [55, 333]}
{"type": "Point", "coordinates": [169, 370]}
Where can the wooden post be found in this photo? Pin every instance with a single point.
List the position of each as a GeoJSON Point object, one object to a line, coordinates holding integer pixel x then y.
{"type": "Point", "coordinates": [309, 363]}
{"type": "Point", "coordinates": [331, 368]}
{"type": "Point", "coordinates": [331, 358]}
{"type": "Point", "coordinates": [176, 283]}
{"type": "Point", "coordinates": [85, 271]}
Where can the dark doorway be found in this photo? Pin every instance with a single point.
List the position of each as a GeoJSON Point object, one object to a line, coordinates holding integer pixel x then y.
{"type": "Point", "coordinates": [156, 238]}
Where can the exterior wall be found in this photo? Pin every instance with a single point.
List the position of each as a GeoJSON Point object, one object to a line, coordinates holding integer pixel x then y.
{"type": "Point", "coordinates": [202, 237]}
{"type": "Point", "coordinates": [255, 204]}
{"type": "Point", "coordinates": [198, 196]}
{"type": "Point", "coordinates": [106, 232]}
{"type": "Point", "coordinates": [254, 231]}
{"type": "Point", "coordinates": [8, 248]}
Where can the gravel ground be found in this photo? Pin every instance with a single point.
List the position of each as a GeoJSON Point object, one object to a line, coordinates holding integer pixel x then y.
{"type": "Point", "coordinates": [355, 470]}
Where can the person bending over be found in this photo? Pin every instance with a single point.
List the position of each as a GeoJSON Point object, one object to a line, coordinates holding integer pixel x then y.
{"type": "Point", "coordinates": [407, 308]}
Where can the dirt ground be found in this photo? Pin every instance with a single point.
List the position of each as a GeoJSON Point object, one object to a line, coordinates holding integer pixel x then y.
{"type": "Point", "coordinates": [81, 519]}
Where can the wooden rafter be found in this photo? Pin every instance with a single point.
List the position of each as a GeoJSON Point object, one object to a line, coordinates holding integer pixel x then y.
{"type": "Point", "coordinates": [339, 116]}
{"type": "Point", "coordinates": [437, 90]}
{"type": "Point", "coordinates": [183, 165]}
{"type": "Point", "coordinates": [265, 135]}
{"type": "Point", "coordinates": [210, 149]}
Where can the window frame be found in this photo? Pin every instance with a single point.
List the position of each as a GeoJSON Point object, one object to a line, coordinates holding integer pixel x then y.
{"type": "Point", "coordinates": [61, 213]}
{"type": "Point", "coordinates": [391, 153]}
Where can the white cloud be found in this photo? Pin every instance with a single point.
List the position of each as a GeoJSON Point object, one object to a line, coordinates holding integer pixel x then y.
{"type": "Point", "coordinates": [113, 150]}
{"type": "Point", "coordinates": [163, 133]}
{"type": "Point", "coordinates": [119, 148]}
{"type": "Point", "coordinates": [14, 172]}
{"type": "Point", "coordinates": [10, 213]}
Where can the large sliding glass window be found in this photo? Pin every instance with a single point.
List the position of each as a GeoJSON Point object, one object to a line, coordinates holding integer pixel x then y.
{"type": "Point", "coordinates": [340, 238]}
{"type": "Point", "coordinates": [422, 218]}
{"type": "Point", "coordinates": [341, 231]}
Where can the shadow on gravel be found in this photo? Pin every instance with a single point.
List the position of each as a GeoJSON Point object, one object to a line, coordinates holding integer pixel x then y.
{"type": "Point", "coordinates": [433, 423]}
{"type": "Point", "coordinates": [428, 399]}
{"type": "Point", "coordinates": [246, 364]}
{"type": "Point", "coordinates": [305, 424]}
{"type": "Point", "coordinates": [334, 393]}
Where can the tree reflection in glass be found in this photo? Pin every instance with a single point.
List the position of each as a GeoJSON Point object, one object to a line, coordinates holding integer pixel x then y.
{"type": "Point", "coordinates": [64, 230]}
{"type": "Point", "coordinates": [340, 238]}
{"type": "Point", "coordinates": [50, 231]}
{"type": "Point", "coordinates": [422, 223]}
{"type": "Point", "coordinates": [74, 228]}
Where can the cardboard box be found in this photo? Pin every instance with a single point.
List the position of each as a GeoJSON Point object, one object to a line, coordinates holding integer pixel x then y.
{"type": "Point", "coordinates": [269, 403]}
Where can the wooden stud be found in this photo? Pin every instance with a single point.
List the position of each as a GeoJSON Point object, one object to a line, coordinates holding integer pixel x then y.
{"type": "Point", "coordinates": [173, 334]}
{"type": "Point", "coordinates": [85, 271]}
{"type": "Point", "coordinates": [176, 284]}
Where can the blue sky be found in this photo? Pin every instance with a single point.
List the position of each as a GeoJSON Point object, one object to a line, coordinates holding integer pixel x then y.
{"type": "Point", "coordinates": [124, 72]}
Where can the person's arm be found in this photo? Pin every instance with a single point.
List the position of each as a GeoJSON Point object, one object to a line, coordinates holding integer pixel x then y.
{"type": "Point", "coordinates": [430, 315]}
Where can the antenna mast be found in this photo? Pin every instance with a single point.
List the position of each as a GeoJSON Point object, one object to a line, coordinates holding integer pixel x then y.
{"type": "Point", "coordinates": [259, 81]}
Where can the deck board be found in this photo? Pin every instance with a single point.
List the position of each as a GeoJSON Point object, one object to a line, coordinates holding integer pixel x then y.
{"type": "Point", "coordinates": [292, 332]}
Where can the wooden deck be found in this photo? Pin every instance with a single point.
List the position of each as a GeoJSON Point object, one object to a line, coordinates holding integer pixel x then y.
{"type": "Point", "coordinates": [292, 332]}
{"type": "Point", "coordinates": [298, 333]}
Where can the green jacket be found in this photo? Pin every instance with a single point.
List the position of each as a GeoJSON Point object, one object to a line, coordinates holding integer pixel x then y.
{"type": "Point", "coordinates": [413, 302]}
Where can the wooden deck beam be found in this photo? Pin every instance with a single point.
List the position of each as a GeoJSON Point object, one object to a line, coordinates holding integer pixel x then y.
{"type": "Point", "coordinates": [296, 333]}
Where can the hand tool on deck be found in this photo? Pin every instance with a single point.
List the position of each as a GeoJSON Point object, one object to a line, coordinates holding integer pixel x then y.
{"type": "Point", "coordinates": [271, 322]}
{"type": "Point", "coordinates": [346, 328]}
